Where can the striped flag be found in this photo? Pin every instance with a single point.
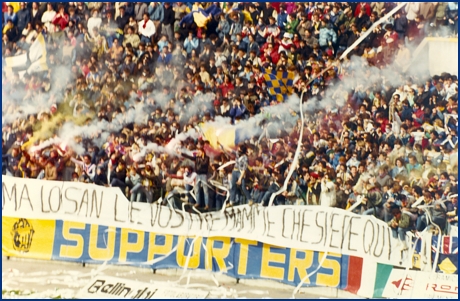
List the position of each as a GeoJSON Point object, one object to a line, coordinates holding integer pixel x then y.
{"type": "Point", "coordinates": [351, 275]}
{"type": "Point", "coordinates": [382, 275]}
{"type": "Point", "coordinates": [364, 277]}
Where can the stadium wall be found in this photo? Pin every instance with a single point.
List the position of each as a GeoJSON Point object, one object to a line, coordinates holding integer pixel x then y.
{"type": "Point", "coordinates": [436, 55]}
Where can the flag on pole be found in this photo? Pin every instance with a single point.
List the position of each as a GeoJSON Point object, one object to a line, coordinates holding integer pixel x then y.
{"type": "Point", "coordinates": [38, 49]}
{"type": "Point", "coordinates": [279, 83]}
{"type": "Point", "coordinates": [33, 61]}
{"type": "Point", "coordinates": [15, 64]}
{"type": "Point", "coordinates": [227, 136]}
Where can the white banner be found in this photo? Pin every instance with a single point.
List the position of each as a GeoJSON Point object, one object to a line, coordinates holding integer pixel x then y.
{"type": "Point", "coordinates": [106, 287]}
{"type": "Point", "coordinates": [301, 227]}
{"type": "Point", "coordinates": [424, 285]}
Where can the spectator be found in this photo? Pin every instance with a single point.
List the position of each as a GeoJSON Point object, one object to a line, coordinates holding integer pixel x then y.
{"type": "Point", "coordinates": [122, 19]}
{"type": "Point", "coordinates": [168, 21]}
{"type": "Point", "coordinates": [132, 38]}
{"type": "Point", "coordinates": [147, 29]}
{"type": "Point", "coordinates": [400, 224]}
{"type": "Point", "coordinates": [10, 15]}
{"type": "Point", "coordinates": [23, 16]}
{"type": "Point", "coordinates": [140, 9]}
{"type": "Point", "coordinates": [94, 22]}
{"type": "Point", "coordinates": [201, 179]}
{"type": "Point", "coordinates": [48, 17]}
{"type": "Point", "coordinates": [134, 183]}
{"type": "Point", "coordinates": [156, 14]}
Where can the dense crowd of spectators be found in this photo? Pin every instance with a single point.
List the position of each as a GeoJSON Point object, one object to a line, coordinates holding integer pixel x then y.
{"type": "Point", "coordinates": [155, 71]}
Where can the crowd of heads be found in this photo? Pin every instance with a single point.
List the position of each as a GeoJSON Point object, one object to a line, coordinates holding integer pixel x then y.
{"type": "Point", "coordinates": [128, 86]}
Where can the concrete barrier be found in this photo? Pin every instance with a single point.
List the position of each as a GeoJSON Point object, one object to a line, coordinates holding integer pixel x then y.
{"type": "Point", "coordinates": [436, 55]}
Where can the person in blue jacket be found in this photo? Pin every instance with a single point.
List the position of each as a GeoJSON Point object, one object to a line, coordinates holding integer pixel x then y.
{"type": "Point", "coordinates": [327, 35]}
{"type": "Point", "coordinates": [238, 111]}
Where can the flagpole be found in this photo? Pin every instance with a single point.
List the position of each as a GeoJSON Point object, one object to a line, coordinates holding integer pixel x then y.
{"type": "Point", "coordinates": [294, 161]}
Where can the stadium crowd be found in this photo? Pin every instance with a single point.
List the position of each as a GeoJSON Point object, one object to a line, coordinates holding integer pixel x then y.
{"type": "Point", "coordinates": [155, 71]}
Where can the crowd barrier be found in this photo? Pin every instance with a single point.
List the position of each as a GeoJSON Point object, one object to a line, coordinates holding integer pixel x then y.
{"type": "Point", "coordinates": [296, 245]}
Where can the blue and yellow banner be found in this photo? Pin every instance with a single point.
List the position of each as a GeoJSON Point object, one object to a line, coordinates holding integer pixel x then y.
{"type": "Point", "coordinates": [238, 258]}
{"type": "Point", "coordinates": [234, 257]}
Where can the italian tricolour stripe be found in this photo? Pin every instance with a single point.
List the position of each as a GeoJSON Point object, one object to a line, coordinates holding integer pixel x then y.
{"type": "Point", "coordinates": [364, 277]}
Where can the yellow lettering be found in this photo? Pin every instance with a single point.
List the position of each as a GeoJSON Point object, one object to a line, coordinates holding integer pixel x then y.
{"type": "Point", "coordinates": [72, 251]}
{"type": "Point", "coordinates": [181, 258]}
{"type": "Point", "coordinates": [331, 263]}
{"type": "Point", "coordinates": [155, 249]}
{"type": "Point", "coordinates": [299, 265]}
{"type": "Point", "coordinates": [127, 247]}
{"type": "Point", "coordinates": [218, 254]}
{"type": "Point", "coordinates": [244, 250]}
{"type": "Point", "coordinates": [268, 271]}
{"type": "Point", "coordinates": [101, 253]}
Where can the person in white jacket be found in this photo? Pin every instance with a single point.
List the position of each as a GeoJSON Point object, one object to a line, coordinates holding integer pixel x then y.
{"type": "Point", "coordinates": [94, 22]}
{"type": "Point", "coordinates": [146, 29]}
{"type": "Point", "coordinates": [48, 17]}
{"type": "Point", "coordinates": [412, 10]}
{"type": "Point", "coordinates": [327, 196]}
{"type": "Point", "coordinates": [190, 181]}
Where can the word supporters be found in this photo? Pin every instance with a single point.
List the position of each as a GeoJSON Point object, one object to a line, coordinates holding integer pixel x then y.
{"type": "Point", "coordinates": [300, 227]}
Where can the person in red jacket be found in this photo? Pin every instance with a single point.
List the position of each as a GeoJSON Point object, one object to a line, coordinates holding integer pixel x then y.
{"type": "Point", "coordinates": [226, 85]}
{"type": "Point", "coordinates": [417, 115]}
{"type": "Point", "coordinates": [270, 50]}
{"type": "Point", "coordinates": [61, 19]}
{"type": "Point", "coordinates": [363, 6]}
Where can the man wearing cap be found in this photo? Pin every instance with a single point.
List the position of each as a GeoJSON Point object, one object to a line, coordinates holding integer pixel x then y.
{"type": "Point", "coordinates": [285, 43]}
{"type": "Point", "coordinates": [201, 169]}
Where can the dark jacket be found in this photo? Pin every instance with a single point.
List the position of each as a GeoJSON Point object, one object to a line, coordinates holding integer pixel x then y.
{"type": "Point", "coordinates": [169, 16]}
{"type": "Point", "coordinates": [201, 163]}
{"type": "Point", "coordinates": [374, 199]}
{"type": "Point", "coordinates": [101, 179]}
{"type": "Point", "coordinates": [122, 21]}
{"type": "Point", "coordinates": [121, 175]}
{"type": "Point", "coordinates": [23, 18]}
{"type": "Point", "coordinates": [11, 161]}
